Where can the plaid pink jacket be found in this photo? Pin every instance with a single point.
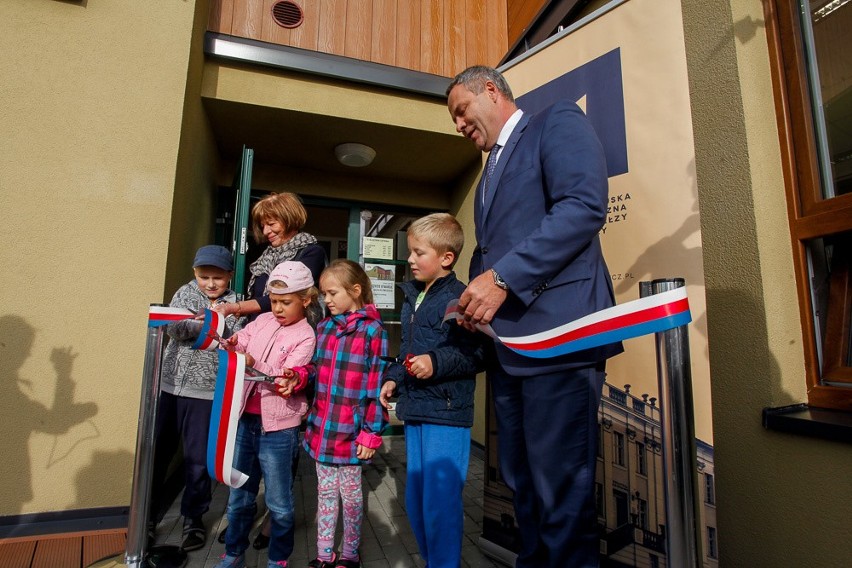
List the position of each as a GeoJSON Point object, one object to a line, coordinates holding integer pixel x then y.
{"type": "Point", "coordinates": [347, 372]}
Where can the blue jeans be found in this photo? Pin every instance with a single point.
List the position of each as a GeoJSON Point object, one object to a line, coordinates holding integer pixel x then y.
{"type": "Point", "coordinates": [437, 460]}
{"type": "Point", "coordinates": [270, 454]}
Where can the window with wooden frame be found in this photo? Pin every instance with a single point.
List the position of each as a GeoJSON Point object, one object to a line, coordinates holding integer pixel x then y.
{"type": "Point", "coordinates": [812, 75]}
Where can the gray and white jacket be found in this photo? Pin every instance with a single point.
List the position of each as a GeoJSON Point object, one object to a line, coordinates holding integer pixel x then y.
{"type": "Point", "coordinates": [186, 371]}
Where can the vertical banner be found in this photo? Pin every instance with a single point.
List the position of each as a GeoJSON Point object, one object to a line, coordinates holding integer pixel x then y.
{"type": "Point", "coordinates": [625, 66]}
{"type": "Point", "coordinates": [627, 70]}
{"type": "Point", "coordinates": [225, 418]}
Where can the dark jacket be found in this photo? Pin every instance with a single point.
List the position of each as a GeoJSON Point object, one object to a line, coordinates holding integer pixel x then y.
{"type": "Point", "coordinates": [312, 256]}
{"type": "Point", "coordinates": [457, 355]}
{"type": "Point", "coordinates": [538, 228]}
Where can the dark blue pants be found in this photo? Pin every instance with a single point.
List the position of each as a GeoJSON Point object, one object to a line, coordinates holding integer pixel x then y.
{"type": "Point", "coordinates": [180, 418]}
{"type": "Point", "coordinates": [547, 429]}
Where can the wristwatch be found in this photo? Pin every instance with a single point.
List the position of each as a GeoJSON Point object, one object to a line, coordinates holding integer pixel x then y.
{"type": "Point", "coordinates": [498, 280]}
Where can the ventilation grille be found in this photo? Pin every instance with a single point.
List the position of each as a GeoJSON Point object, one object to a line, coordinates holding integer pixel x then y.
{"type": "Point", "coordinates": [287, 14]}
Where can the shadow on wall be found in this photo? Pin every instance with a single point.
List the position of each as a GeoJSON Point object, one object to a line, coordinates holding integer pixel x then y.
{"type": "Point", "coordinates": [747, 378]}
{"type": "Point", "coordinates": [676, 252]}
{"type": "Point", "coordinates": [744, 30]}
{"type": "Point", "coordinates": [117, 465]}
{"type": "Point", "coordinates": [22, 415]}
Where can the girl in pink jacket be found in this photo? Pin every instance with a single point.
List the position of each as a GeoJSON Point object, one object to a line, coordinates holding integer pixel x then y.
{"type": "Point", "coordinates": [267, 438]}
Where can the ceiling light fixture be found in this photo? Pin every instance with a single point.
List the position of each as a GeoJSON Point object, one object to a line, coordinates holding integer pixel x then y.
{"type": "Point", "coordinates": [354, 154]}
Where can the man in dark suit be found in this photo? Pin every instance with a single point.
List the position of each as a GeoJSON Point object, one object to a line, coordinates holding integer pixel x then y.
{"type": "Point", "coordinates": [538, 264]}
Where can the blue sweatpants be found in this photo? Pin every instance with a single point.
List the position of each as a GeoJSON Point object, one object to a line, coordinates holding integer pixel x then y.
{"type": "Point", "coordinates": [437, 469]}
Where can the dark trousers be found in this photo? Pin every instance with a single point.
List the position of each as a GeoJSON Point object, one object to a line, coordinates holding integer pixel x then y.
{"type": "Point", "coordinates": [547, 429]}
{"type": "Point", "coordinates": [184, 419]}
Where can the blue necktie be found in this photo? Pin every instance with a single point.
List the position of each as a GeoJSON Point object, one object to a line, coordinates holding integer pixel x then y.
{"type": "Point", "coordinates": [490, 164]}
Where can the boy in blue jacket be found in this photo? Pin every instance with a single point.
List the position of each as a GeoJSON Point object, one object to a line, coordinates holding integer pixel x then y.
{"type": "Point", "coordinates": [436, 386]}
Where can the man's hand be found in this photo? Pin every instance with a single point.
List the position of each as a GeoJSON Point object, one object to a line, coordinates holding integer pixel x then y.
{"type": "Point", "coordinates": [481, 300]}
{"type": "Point", "coordinates": [387, 393]}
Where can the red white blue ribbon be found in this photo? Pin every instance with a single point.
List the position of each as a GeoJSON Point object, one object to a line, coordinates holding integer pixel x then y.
{"type": "Point", "coordinates": [225, 417]}
{"type": "Point", "coordinates": [652, 314]}
{"type": "Point", "coordinates": [228, 396]}
{"type": "Point", "coordinates": [211, 331]}
{"type": "Point", "coordinates": [164, 315]}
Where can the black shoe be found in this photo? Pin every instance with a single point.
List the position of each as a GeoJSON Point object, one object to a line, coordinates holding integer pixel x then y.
{"type": "Point", "coordinates": [222, 535]}
{"type": "Point", "coordinates": [261, 541]}
{"type": "Point", "coordinates": [317, 563]}
{"type": "Point", "coordinates": [193, 535]}
{"type": "Point", "coordinates": [345, 563]}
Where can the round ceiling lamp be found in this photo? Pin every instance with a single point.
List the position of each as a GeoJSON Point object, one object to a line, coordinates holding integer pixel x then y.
{"type": "Point", "coordinates": [354, 154]}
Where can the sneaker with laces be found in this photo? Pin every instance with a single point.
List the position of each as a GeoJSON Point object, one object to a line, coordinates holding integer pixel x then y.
{"type": "Point", "coordinates": [232, 561]}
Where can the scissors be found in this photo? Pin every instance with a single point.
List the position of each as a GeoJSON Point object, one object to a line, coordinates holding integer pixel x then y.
{"type": "Point", "coordinates": [251, 374]}
{"type": "Point", "coordinates": [407, 361]}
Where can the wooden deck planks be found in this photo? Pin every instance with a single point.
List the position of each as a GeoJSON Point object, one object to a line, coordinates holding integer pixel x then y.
{"type": "Point", "coordinates": [58, 553]}
{"type": "Point", "coordinates": [16, 554]}
{"type": "Point", "coordinates": [76, 550]}
{"type": "Point", "coordinates": [99, 546]}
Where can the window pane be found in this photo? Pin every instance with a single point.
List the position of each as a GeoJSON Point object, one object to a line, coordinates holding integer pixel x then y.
{"type": "Point", "coordinates": [618, 440]}
{"type": "Point", "coordinates": [711, 542]}
{"type": "Point", "coordinates": [830, 261]}
{"type": "Point", "coordinates": [641, 466]}
{"type": "Point", "coordinates": [643, 513]}
{"type": "Point", "coordinates": [830, 72]}
{"type": "Point", "coordinates": [709, 489]}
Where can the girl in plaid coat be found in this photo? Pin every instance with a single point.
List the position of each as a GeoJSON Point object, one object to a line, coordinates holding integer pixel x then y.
{"type": "Point", "coordinates": [346, 420]}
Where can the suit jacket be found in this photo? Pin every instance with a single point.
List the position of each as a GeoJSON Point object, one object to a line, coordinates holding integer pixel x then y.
{"type": "Point", "coordinates": [539, 229]}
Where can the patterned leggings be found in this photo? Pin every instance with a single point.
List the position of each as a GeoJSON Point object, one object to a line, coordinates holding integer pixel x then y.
{"type": "Point", "coordinates": [344, 480]}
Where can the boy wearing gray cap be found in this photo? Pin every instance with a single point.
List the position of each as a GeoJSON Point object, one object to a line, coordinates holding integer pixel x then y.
{"type": "Point", "coordinates": [186, 391]}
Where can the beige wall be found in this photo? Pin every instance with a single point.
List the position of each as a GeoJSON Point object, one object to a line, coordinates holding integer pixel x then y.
{"type": "Point", "coordinates": [782, 500]}
{"type": "Point", "coordinates": [304, 181]}
{"type": "Point", "coordinates": [195, 197]}
{"type": "Point", "coordinates": [90, 111]}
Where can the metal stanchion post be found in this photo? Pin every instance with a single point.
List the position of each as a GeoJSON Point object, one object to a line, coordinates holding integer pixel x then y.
{"type": "Point", "coordinates": [140, 498]}
{"type": "Point", "coordinates": [683, 542]}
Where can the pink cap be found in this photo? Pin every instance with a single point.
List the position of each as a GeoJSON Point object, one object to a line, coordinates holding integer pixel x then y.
{"type": "Point", "coordinates": [288, 277]}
